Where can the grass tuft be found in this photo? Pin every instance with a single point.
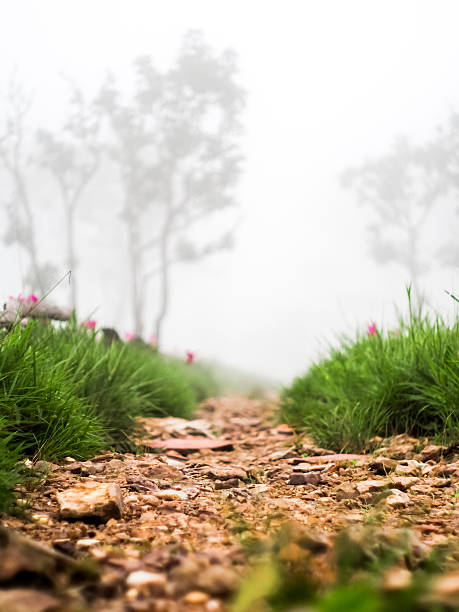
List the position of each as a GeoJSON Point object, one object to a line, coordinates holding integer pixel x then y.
{"type": "Point", "coordinates": [65, 392]}
{"type": "Point", "coordinates": [382, 384]}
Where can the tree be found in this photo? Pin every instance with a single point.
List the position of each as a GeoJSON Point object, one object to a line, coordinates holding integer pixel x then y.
{"type": "Point", "coordinates": [15, 161]}
{"type": "Point", "coordinates": [72, 157]}
{"type": "Point", "coordinates": [176, 146]}
{"type": "Point", "coordinates": [402, 189]}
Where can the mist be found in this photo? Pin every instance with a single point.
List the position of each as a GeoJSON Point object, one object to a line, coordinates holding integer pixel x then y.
{"type": "Point", "coordinates": [323, 143]}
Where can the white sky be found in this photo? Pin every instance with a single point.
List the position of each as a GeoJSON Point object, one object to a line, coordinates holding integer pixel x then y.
{"type": "Point", "coordinates": [329, 83]}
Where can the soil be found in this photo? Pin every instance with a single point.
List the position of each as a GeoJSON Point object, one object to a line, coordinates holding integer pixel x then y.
{"type": "Point", "coordinates": [193, 518]}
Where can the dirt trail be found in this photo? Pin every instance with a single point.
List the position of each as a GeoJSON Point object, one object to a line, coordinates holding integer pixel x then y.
{"type": "Point", "coordinates": [190, 519]}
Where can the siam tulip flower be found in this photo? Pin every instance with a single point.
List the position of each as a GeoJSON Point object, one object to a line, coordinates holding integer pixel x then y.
{"type": "Point", "coordinates": [90, 324]}
{"type": "Point", "coordinates": [189, 357]}
{"type": "Point", "coordinates": [32, 298]}
{"type": "Point", "coordinates": [372, 329]}
{"type": "Point", "coordinates": [129, 336]}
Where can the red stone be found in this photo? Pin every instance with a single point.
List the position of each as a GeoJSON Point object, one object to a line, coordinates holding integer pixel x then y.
{"type": "Point", "coordinates": [193, 443]}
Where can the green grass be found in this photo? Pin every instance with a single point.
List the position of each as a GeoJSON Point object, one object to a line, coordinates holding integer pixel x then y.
{"type": "Point", "coordinates": [382, 384]}
{"type": "Point", "coordinates": [65, 392]}
{"type": "Point", "coordinates": [350, 577]}
{"type": "Point", "coordinates": [9, 470]}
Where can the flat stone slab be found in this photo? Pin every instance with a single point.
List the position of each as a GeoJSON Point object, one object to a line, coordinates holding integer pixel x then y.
{"type": "Point", "coordinates": [335, 458]}
{"type": "Point", "coordinates": [193, 443]}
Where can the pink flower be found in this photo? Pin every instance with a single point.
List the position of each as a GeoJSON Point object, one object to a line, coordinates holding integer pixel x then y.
{"type": "Point", "coordinates": [372, 329]}
{"type": "Point", "coordinates": [189, 357]}
{"type": "Point", "coordinates": [90, 324]}
{"type": "Point", "coordinates": [32, 298]}
{"type": "Point", "coordinates": [153, 341]}
{"type": "Point", "coordinates": [19, 298]}
{"type": "Point", "coordinates": [129, 336]}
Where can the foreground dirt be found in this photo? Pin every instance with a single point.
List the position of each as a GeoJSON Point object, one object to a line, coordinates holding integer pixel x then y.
{"type": "Point", "coordinates": [192, 519]}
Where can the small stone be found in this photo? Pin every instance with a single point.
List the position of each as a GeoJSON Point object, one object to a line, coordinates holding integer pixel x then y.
{"type": "Point", "coordinates": [41, 519]}
{"type": "Point", "coordinates": [433, 452]}
{"type": "Point", "coordinates": [299, 478]}
{"type": "Point", "coordinates": [446, 588]}
{"type": "Point", "coordinates": [310, 467]}
{"type": "Point", "coordinates": [312, 450]}
{"type": "Point", "coordinates": [142, 580]}
{"type": "Point", "coordinates": [162, 471]}
{"type": "Point", "coordinates": [141, 484]}
{"type": "Point", "coordinates": [164, 605]}
{"type": "Point", "coordinates": [227, 473]}
{"type": "Point", "coordinates": [89, 468]}
{"type": "Point", "coordinates": [98, 553]}
{"type": "Point", "coordinates": [69, 460]}
{"type": "Point", "coordinates": [171, 494]}
{"type": "Point", "coordinates": [449, 470]}
{"type": "Point", "coordinates": [232, 483]}
{"type": "Point", "coordinates": [86, 543]}
{"type": "Point", "coordinates": [439, 483]}
{"type": "Point", "coordinates": [346, 490]}
{"type": "Point", "coordinates": [196, 597]}
{"type": "Point", "coordinates": [396, 579]}
{"type": "Point", "coordinates": [404, 482]}
{"type": "Point", "coordinates": [397, 499]}
{"type": "Point", "coordinates": [91, 500]}
{"type": "Point", "coordinates": [131, 594]}
{"type": "Point", "coordinates": [409, 467]}
{"type": "Point", "coordinates": [64, 545]}
{"type": "Point", "coordinates": [382, 465]}
{"type": "Point", "coordinates": [371, 486]}
{"type": "Point", "coordinates": [32, 600]}
{"type": "Point", "coordinates": [217, 580]}
{"type": "Point", "coordinates": [46, 466]}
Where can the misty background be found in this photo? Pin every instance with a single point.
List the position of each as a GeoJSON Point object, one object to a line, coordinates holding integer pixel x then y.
{"type": "Point", "coordinates": [337, 125]}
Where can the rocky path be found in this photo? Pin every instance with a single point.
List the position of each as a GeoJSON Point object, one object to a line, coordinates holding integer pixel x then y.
{"type": "Point", "coordinates": [173, 530]}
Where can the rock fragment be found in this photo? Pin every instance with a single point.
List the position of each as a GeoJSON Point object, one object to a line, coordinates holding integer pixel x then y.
{"type": "Point", "coordinates": [227, 473]}
{"type": "Point", "coordinates": [433, 452]}
{"type": "Point", "coordinates": [196, 597]}
{"type": "Point", "coordinates": [142, 580]}
{"type": "Point", "coordinates": [403, 483]}
{"type": "Point", "coordinates": [91, 500]}
{"type": "Point", "coordinates": [397, 499]}
{"type": "Point", "coordinates": [26, 600]}
{"type": "Point", "coordinates": [371, 486]}
{"type": "Point", "coordinates": [445, 589]}
{"type": "Point", "coordinates": [396, 578]}
{"type": "Point", "coordinates": [171, 495]}
{"type": "Point", "coordinates": [346, 490]}
{"type": "Point", "coordinates": [382, 465]}
{"type": "Point", "coordinates": [300, 478]}
{"type": "Point", "coordinates": [232, 483]}
{"type": "Point", "coordinates": [409, 467]}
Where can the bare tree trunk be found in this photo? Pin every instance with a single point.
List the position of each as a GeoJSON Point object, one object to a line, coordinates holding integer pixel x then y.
{"type": "Point", "coordinates": [31, 246]}
{"type": "Point", "coordinates": [164, 282]}
{"type": "Point", "coordinates": [413, 265]}
{"type": "Point", "coordinates": [71, 258]}
{"type": "Point", "coordinates": [134, 265]}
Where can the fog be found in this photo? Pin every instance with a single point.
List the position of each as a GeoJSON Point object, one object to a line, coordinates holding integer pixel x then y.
{"type": "Point", "coordinates": [327, 85]}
